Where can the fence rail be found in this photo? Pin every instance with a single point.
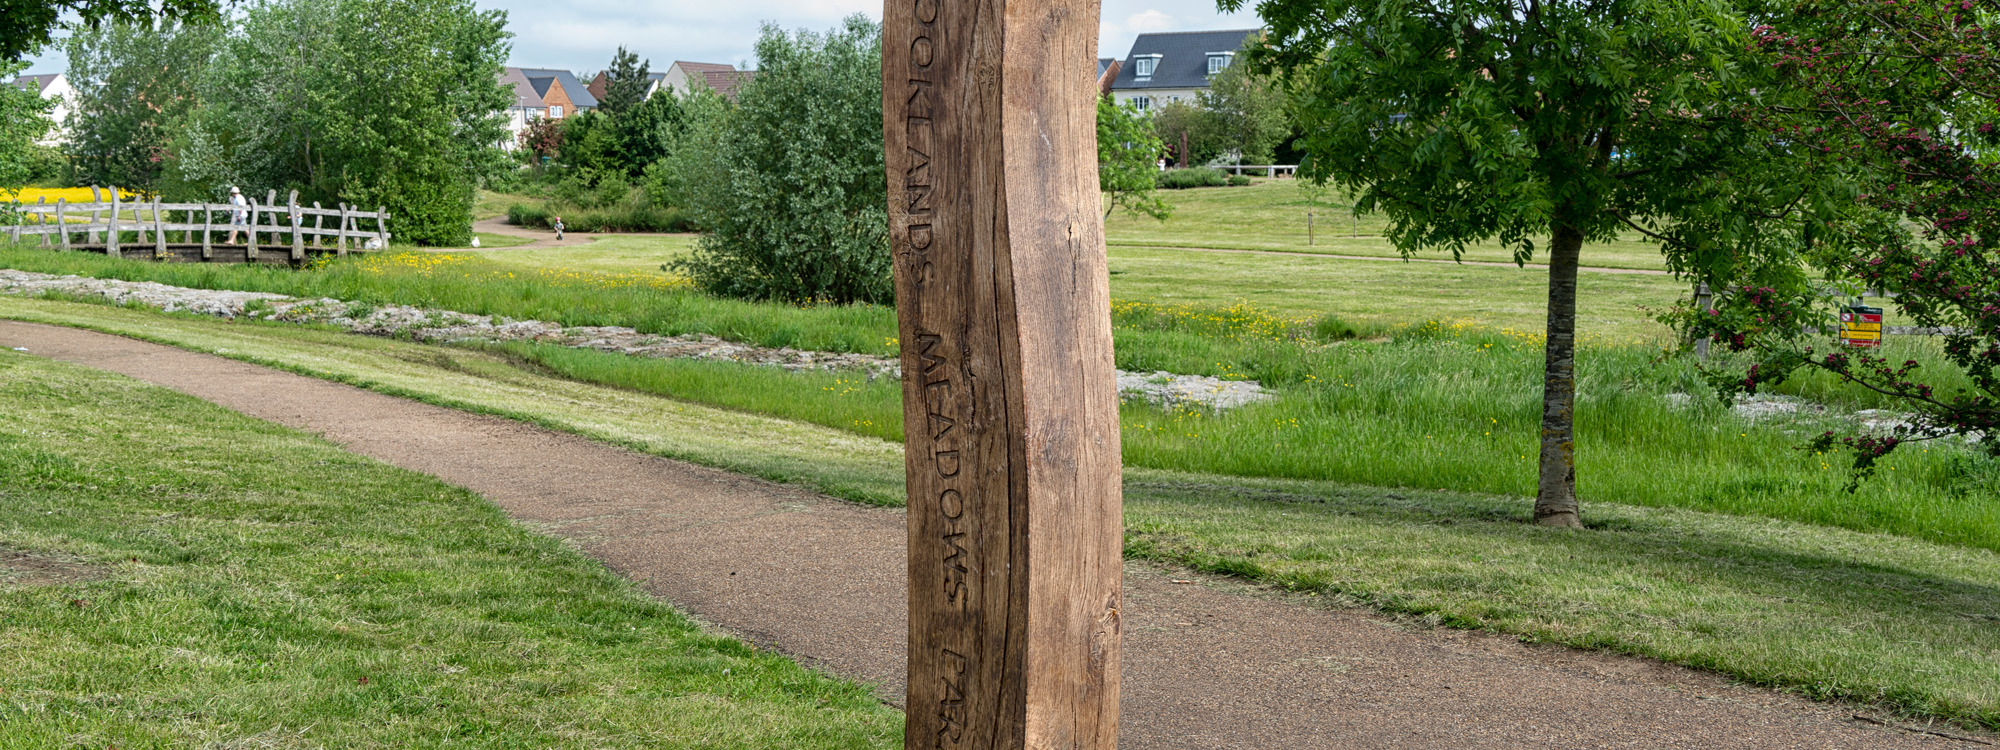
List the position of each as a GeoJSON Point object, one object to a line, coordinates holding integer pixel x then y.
{"type": "Point", "coordinates": [1269, 170]}
{"type": "Point", "coordinates": [102, 224]}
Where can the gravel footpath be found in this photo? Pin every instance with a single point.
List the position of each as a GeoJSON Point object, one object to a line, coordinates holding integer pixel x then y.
{"type": "Point", "coordinates": [444, 326]}
{"type": "Point", "coordinates": [1208, 662]}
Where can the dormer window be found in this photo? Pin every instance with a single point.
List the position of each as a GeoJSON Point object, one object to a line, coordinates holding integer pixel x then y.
{"type": "Point", "coordinates": [1142, 67]}
{"type": "Point", "coordinates": [1219, 60]}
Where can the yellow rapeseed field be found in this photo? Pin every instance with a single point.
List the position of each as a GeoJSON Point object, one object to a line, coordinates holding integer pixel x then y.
{"type": "Point", "coordinates": [38, 194]}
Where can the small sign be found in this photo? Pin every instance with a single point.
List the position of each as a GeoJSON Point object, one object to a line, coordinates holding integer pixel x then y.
{"type": "Point", "coordinates": [1861, 326]}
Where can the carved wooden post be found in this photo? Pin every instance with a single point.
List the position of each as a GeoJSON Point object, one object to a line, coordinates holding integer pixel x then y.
{"type": "Point", "coordinates": [1009, 397]}
{"type": "Point", "coordinates": [382, 225]}
{"type": "Point", "coordinates": [207, 228]}
{"type": "Point", "coordinates": [341, 233]}
{"type": "Point", "coordinates": [319, 224]}
{"type": "Point", "coordinates": [159, 232]}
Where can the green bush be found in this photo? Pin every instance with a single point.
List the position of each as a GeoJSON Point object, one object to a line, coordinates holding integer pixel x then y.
{"type": "Point", "coordinates": [1193, 177]}
{"type": "Point", "coordinates": [788, 182]}
{"type": "Point", "coordinates": [527, 216]}
{"type": "Point", "coordinates": [1238, 180]}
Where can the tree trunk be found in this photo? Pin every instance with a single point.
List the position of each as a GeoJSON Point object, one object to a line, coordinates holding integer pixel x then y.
{"type": "Point", "coordinates": [1555, 495]}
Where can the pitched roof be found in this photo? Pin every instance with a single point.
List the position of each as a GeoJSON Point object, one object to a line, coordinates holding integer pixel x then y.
{"type": "Point", "coordinates": [702, 67]}
{"type": "Point", "coordinates": [36, 82]}
{"type": "Point", "coordinates": [726, 82]}
{"type": "Point", "coordinates": [525, 94]}
{"type": "Point", "coordinates": [579, 94]}
{"type": "Point", "coordinates": [1104, 62]}
{"type": "Point", "coordinates": [1182, 55]}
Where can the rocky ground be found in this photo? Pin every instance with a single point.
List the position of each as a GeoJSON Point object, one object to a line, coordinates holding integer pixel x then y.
{"type": "Point", "coordinates": [444, 326]}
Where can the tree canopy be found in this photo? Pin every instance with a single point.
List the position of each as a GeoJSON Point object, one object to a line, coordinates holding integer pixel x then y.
{"type": "Point", "coordinates": [625, 82]}
{"type": "Point", "coordinates": [24, 118]}
{"type": "Point", "coordinates": [1903, 101]}
{"type": "Point", "coordinates": [1469, 121]}
{"type": "Point", "coordinates": [1128, 155]}
{"type": "Point", "coordinates": [29, 25]}
{"type": "Point", "coordinates": [789, 179]}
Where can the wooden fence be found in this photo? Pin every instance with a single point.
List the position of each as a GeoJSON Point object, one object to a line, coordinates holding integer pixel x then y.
{"type": "Point", "coordinates": [284, 229]}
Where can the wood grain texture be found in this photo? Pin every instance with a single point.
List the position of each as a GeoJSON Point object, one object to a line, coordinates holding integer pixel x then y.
{"type": "Point", "coordinates": [1009, 399]}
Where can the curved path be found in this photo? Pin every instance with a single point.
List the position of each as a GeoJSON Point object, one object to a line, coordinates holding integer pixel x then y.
{"type": "Point", "coordinates": [538, 238]}
{"type": "Point", "coordinates": [1210, 663]}
{"type": "Point", "coordinates": [1385, 259]}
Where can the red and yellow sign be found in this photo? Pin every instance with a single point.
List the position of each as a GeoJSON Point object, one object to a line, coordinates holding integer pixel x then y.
{"type": "Point", "coordinates": [1861, 326]}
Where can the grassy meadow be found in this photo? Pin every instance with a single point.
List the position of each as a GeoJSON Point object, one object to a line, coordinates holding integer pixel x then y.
{"type": "Point", "coordinates": [1896, 621]}
{"type": "Point", "coordinates": [204, 579]}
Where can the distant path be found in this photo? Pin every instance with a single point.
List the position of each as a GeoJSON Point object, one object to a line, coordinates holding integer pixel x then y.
{"type": "Point", "coordinates": [540, 238]}
{"type": "Point", "coordinates": [1301, 254]}
{"type": "Point", "coordinates": [1210, 664]}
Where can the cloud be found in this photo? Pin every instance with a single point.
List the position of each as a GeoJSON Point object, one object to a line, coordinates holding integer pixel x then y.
{"type": "Point", "coordinates": [1149, 20]}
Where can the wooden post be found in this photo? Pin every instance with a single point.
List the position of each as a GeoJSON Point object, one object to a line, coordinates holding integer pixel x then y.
{"type": "Point", "coordinates": [292, 210]}
{"type": "Point", "coordinates": [207, 229]}
{"type": "Point", "coordinates": [1309, 228]}
{"type": "Point", "coordinates": [111, 230]}
{"type": "Point", "coordinates": [382, 225]}
{"type": "Point", "coordinates": [62, 224]}
{"type": "Point", "coordinates": [250, 252]}
{"type": "Point", "coordinates": [42, 218]}
{"type": "Point", "coordinates": [319, 224]}
{"type": "Point", "coordinates": [159, 231]}
{"type": "Point", "coordinates": [96, 197]}
{"type": "Point", "coordinates": [1009, 399]}
{"type": "Point", "coordinates": [1705, 301]}
{"type": "Point", "coordinates": [340, 234]}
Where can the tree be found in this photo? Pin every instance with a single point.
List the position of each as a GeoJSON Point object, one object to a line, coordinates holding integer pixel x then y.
{"type": "Point", "coordinates": [1128, 156]}
{"type": "Point", "coordinates": [792, 190]}
{"type": "Point", "coordinates": [543, 137]}
{"type": "Point", "coordinates": [625, 83]}
{"type": "Point", "coordinates": [29, 25]}
{"type": "Point", "coordinates": [1246, 113]}
{"type": "Point", "coordinates": [1904, 99]}
{"type": "Point", "coordinates": [1475, 120]}
{"type": "Point", "coordinates": [24, 118]}
{"type": "Point", "coordinates": [372, 102]}
{"type": "Point", "coordinates": [135, 86]}
{"type": "Point", "coordinates": [1182, 124]}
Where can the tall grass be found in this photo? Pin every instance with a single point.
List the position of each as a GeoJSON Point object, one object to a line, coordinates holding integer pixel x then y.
{"type": "Point", "coordinates": [1438, 406]}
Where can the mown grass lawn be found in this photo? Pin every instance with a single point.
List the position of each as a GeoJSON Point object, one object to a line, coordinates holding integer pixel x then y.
{"type": "Point", "coordinates": [230, 583]}
{"type": "Point", "coordinates": [1271, 215]}
{"type": "Point", "coordinates": [1906, 623]}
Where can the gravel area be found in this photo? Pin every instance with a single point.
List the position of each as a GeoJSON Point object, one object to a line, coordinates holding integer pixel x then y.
{"type": "Point", "coordinates": [1164, 389]}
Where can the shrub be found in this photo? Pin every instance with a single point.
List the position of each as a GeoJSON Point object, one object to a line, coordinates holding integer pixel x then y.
{"type": "Point", "coordinates": [789, 182]}
{"type": "Point", "coordinates": [1238, 180]}
{"type": "Point", "coordinates": [527, 216]}
{"type": "Point", "coordinates": [1192, 177]}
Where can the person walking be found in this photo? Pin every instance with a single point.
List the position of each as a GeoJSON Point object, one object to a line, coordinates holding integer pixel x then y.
{"type": "Point", "coordinates": [556, 223]}
{"type": "Point", "coordinates": [239, 216]}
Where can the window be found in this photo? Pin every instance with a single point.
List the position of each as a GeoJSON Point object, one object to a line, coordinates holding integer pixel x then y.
{"type": "Point", "coordinates": [1142, 103]}
{"type": "Point", "coordinates": [1143, 66]}
{"type": "Point", "coordinates": [1219, 60]}
{"type": "Point", "coordinates": [555, 110]}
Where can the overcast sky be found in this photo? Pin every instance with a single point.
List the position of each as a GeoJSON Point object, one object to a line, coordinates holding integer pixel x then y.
{"type": "Point", "coordinates": [581, 35]}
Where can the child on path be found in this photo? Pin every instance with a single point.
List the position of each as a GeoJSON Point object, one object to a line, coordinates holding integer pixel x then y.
{"type": "Point", "coordinates": [238, 218]}
{"type": "Point", "coordinates": [556, 222]}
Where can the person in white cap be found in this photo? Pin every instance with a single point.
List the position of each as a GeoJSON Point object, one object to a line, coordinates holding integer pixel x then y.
{"type": "Point", "coordinates": [238, 217]}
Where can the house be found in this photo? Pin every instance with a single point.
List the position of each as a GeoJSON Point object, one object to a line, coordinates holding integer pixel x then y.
{"type": "Point", "coordinates": [682, 76]}
{"type": "Point", "coordinates": [542, 92]}
{"type": "Point", "coordinates": [1170, 67]}
{"type": "Point", "coordinates": [54, 87]}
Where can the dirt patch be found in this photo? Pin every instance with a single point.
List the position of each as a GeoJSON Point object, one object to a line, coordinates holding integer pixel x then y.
{"type": "Point", "coordinates": [20, 570]}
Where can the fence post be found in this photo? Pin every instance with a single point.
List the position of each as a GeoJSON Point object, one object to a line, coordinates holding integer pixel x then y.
{"type": "Point", "coordinates": [159, 231]}
{"type": "Point", "coordinates": [96, 196]}
{"type": "Point", "coordinates": [382, 225]}
{"type": "Point", "coordinates": [319, 224]}
{"type": "Point", "coordinates": [292, 209]}
{"type": "Point", "coordinates": [340, 234]}
{"type": "Point", "coordinates": [42, 218]}
{"type": "Point", "coordinates": [111, 230]}
{"type": "Point", "coordinates": [250, 253]}
{"type": "Point", "coordinates": [1309, 228]}
{"type": "Point", "coordinates": [1704, 300]}
{"type": "Point", "coordinates": [62, 223]}
{"type": "Point", "coordinates": [207, 228]}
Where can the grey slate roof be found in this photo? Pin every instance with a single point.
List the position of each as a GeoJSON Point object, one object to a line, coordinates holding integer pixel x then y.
{"type": "Point", "coordinates": [1104, 62]}
{"type": "Point", "coordinates": [524, 90]}
{"type": "Point", "coordinates": [36, 82]}
{"type": "Point", "coordinates": [1183, 58]}
{"type": "Point", "coordinates": [578, 93]}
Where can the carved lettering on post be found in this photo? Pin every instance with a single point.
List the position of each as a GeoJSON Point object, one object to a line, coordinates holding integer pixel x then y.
{"type": "Point", "coordinates": [1009, 401]}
